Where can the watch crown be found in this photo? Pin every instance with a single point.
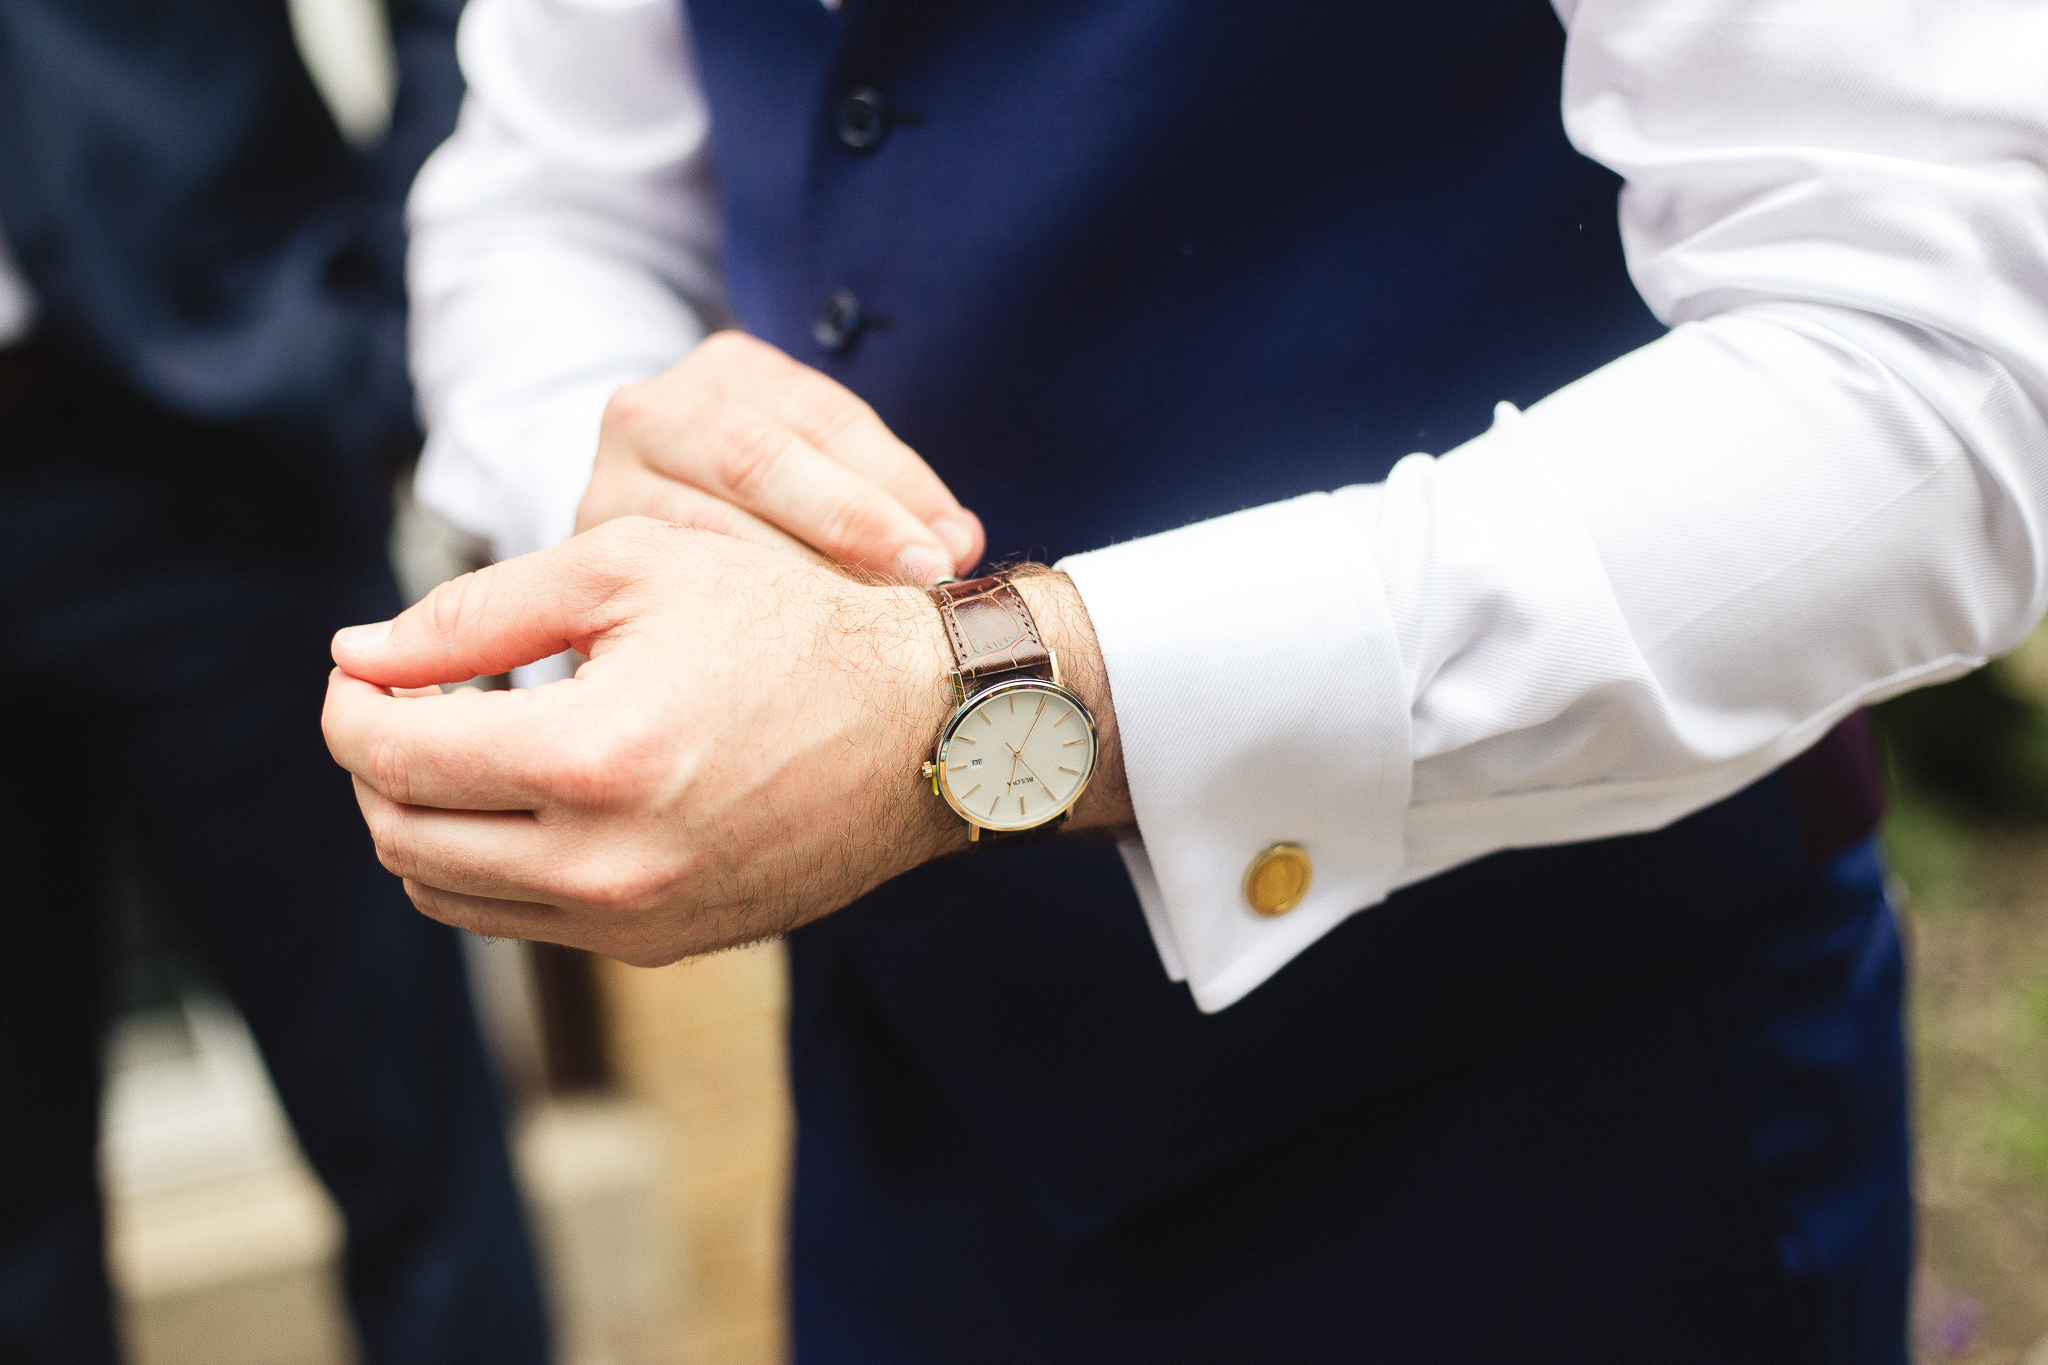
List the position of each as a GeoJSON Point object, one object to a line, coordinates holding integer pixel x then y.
{"type": "Point", "coordinates": [927, 769]}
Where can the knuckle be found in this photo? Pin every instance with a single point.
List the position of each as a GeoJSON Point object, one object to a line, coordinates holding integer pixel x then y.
{"type": "Point", "coordinates": [582, 779]}
{"type": "Point", "coordinates": [626, 410]}
{"type": "Point", "coordinates": [616, 768]}
{"type": "Point", "coordinates": [390, 774]}
{"type": "Point", "coordinates": [647, 954]}
{"type": "Point", "coordinates": [388, 859]}
{"type": "Point", "coordinates": [750, 452]}
{"type": "Point", "coordinates": [616, 553]}
{"type": "Point", "coordinates": [393, 854]}
{"type": "Point", "coordinates": [857, 526]}
{"type": "Point", "coordinates": [424, 899]}
{"type": "Point", "coordinates": [394, 849]}
{"type": "Point", "coordinates": [730, 347]}
{"type": "Point", "coordinates": [619, 884]}
{"type": "Point", "coordinates": [823, 408]}
{"type": "Point", "coordinates": [623, 535]}
{"type": "Point", "coordinates": [436, 906]}
{"type": "Point", "coordinates": [450, 607]}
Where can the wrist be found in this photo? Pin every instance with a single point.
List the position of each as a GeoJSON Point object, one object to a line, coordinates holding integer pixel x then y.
{"type": "Point", "coordinates": [1105, 807]}
{"type": "Point", "coordinates": [921, 664]}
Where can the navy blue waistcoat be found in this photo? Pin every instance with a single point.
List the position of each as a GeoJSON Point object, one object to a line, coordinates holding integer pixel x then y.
{"type": "Point", "coordinates": [1116, 266]}
{"type": "Point", "coordinates": [194, 226]}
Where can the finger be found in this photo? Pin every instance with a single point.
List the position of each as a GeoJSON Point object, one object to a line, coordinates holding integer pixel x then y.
{"type": "Point", "coordinates": [736, 452]}
{"type": "Point", "coordinates": [837, 423]}
{"type": "Point", "coordinates": [634, 490]}
{"type": "Point", "coordinates": [503, 855]}
{"type": "Point", "coordinates": [484, 915]}
{"type": "Point", "coordinates": [494, 918]}
{"type": "Point", "coordinates": [509, 614]}
{"type": "Point", "coordinates": [465, 750]}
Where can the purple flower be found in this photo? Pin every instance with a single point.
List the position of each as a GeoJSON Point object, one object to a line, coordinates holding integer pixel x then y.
{"type": "Point", "coordinates": [1957, 1328]}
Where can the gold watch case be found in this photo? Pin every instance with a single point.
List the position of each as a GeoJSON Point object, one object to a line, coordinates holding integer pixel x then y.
{"type": "Point", "coordinates": [1010, 692]}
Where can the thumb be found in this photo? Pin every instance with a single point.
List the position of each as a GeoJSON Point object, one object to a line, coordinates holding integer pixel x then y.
{"type": "Point", "coordinates": [503, 616]}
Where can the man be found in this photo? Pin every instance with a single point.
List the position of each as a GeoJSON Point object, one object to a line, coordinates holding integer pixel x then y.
{"type": "Point", "coordinates": [202, 403]}
{"type": "Point", "coordinates": [1540, 1010]}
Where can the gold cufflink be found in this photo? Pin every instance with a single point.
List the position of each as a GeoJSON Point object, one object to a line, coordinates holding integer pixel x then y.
{"type": "Point", "coordinates": [1278, 879]}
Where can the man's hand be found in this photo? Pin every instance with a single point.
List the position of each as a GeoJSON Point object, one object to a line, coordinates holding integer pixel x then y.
{"type": "Point", "coordinates": [742, 439]}
{"type": "Point", "coordinates": [738, 756]}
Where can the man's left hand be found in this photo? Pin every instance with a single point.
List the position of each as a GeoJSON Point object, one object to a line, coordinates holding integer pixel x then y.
{"type": "Point", "coordinates": [738, 756]}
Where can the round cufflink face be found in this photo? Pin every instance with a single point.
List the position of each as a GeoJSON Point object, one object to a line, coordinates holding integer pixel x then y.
{"type": "Point", "coordinates": [1016, 755]}
{"type": "Point", "coordinates": [1277, 879]}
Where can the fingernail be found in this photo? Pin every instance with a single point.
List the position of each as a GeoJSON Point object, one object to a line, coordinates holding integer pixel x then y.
{"type": "Point", "coordinates": [363, 637]}
{"type": "Point", "coordinates": [920, 564]}
{"type": "Point", "coordinates": [958, 540]}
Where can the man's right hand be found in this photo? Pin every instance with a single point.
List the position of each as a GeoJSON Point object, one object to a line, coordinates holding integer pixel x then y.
{"type": "Point", "coordinates": [742, 439]}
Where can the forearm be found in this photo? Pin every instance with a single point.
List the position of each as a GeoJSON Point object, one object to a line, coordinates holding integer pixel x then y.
{"type": "Point", "coordinates": [564, 244]}
{"type": "Point", "coordinates": [516, 351]}
{"type": "Point", "coordinates": [1104, 809]}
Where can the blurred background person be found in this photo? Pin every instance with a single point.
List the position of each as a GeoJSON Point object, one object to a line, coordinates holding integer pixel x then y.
{"type": "Point", "coordinates": [202, 406]}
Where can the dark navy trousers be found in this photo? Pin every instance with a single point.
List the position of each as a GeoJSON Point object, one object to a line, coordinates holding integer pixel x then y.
{"type": "Point", "coordinates": [166, 595]}
{"type": "Point", "coordinates": [1708, 1168]}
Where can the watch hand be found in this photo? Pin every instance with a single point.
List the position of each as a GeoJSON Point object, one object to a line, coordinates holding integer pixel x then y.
{"type": "Point", "coordinates": [1035, 716]}
{"type": "Point", "coordinates": [1019, 757]}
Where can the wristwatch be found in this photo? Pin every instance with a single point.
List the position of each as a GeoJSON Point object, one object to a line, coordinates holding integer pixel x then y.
{"type": "Point", "coordinates": [1018, 750]}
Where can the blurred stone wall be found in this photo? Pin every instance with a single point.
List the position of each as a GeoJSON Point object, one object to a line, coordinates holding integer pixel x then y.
{"type": "Point", "coordinates": [700, 1046]}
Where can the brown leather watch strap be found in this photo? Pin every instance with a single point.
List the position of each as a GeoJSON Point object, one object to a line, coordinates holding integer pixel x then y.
{"type": "Point", "coordinates": [994, 637]}
{"type": "Point", "coordinates": [991, 632]}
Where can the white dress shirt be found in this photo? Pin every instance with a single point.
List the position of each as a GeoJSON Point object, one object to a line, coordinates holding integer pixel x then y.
{"type": "Point", "coordinates": [1828, 484]}
{"type": "Point", "coordinates": [17, 304]}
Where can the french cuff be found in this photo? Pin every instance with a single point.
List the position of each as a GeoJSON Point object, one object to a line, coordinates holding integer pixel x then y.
{"type": "Point", "coordinates": [1261, 700]}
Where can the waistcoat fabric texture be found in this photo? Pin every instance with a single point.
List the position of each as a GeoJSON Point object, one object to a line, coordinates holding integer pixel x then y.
{"type": "Point", "coordinates": [1113, 267]}
{"type": "Point", "coordinates": [195, 229]}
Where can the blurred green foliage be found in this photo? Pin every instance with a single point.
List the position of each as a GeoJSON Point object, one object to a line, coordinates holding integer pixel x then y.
{"type": "Point", "coordinates": [2015, 1114]}
{"type": "Point", "coordinates": [1926, 844]}
{"type": "Point", "coordinates": [2019, 1128]}
{"type": "Point", "coordinates": [1966, 835]}
{"type": "Point", "coordinates": [1978, 745]}
{"type": "Point", "coordinates": [1966, 758]}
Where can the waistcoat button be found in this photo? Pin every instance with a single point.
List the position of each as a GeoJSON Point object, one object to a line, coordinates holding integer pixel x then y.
{"type": "Point", "coordinates": [862, 121]}
{"type": "Point", "coordinates": [838, 321]}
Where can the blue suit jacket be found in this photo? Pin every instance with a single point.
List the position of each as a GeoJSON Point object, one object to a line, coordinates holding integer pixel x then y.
{"type": "Point", "coordinates": [190, 218]}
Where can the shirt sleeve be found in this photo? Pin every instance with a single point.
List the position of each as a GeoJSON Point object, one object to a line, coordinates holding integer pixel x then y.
{"type": "Point", "coordinates": [564, 243]}
{"type": "Point", "coordinates": [1826, 485]}
{"type": "Point", "coordinates": [17, 304]}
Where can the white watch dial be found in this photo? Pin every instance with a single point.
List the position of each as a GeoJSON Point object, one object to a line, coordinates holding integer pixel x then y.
{"type": "Point", "coordinates": [1017, 757]}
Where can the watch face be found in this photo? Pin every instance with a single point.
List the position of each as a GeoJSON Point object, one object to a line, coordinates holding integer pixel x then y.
{"type": "Point", "coordinates": [1016, 755]}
